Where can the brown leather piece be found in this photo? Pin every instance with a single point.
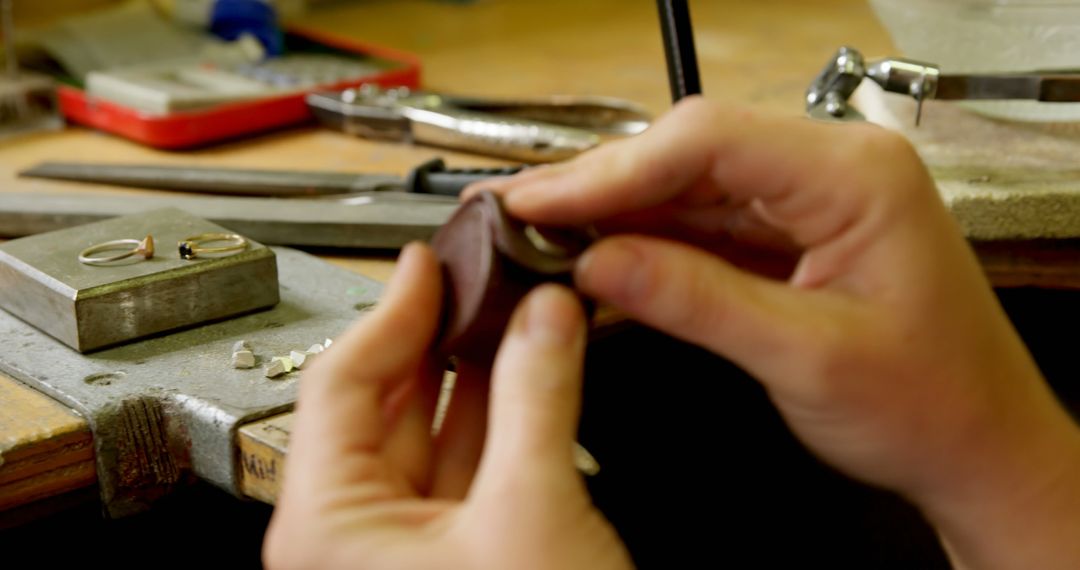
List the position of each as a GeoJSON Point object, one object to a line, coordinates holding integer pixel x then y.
{"type": "Point", "coordinates": [490, 261]}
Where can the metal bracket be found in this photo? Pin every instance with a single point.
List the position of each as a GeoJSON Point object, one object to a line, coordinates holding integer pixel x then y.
{"type": "Point", "coordinates": [828, 95]}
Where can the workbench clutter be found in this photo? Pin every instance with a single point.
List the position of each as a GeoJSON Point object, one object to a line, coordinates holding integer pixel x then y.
{"type": "Point", "coordinates": [137, 71]}
{"type": "Point", "coordinates": [244, 357]}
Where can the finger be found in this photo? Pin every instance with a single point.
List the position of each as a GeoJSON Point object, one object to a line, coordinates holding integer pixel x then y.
{"type": "Point", "coordinates": [737, 235]}
{"type": "Point", "coordinates": [496, 184]}
{"type": "Point", "coordinates": [810, 177]}
{"type": "Point", "coordinates": [536, 392]}
{"type": "Point", "coordinates": [488, 185]}
{"type": "Point", "coordinates": [341, 415]}
{"type": "Point", "coordinates": [698, 297]}
{"type": "Point", "coordinates": [409, 413]}
{"type": "Point", "coordinates": [460, 442]}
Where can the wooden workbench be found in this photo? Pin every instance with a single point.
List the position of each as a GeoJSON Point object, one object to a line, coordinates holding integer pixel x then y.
{"type": "Point", "coordinates": [757, 53]}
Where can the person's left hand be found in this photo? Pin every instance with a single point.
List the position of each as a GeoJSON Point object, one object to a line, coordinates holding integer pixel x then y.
{"type": "Point", "coordinates": [367, 486]}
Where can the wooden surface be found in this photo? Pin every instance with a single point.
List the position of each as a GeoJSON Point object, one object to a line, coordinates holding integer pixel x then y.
{"type": "Point", "coordinates": [751, 52]}
{"type": "Point", "coordinates": [45, 448]}
{"type": "Point", "coordinates": [262, 456]}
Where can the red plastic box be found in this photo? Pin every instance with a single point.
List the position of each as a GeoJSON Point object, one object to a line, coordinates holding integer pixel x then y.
{"type": "Point", "coordinates": [197, 128]}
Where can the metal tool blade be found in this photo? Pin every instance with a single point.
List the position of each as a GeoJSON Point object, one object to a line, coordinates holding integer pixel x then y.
{"type": "Point", "coordinates": [1034, 87]}
{"type": "Point", "coordinates": [379, 220]}
{"type": "Point", "coordinates": [242, 182]}
{"type": "Point", "coordinates": [595, 113]}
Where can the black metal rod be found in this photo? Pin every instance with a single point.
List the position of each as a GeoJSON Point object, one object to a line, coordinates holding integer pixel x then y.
{"type": "Point", "coordinates": [682, 64]}
{"type": "Point", "coordinates": [7, 27]}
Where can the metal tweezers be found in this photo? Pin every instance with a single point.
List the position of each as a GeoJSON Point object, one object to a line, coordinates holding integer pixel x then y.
{"type": "Point", "coordinates": [827, 97]}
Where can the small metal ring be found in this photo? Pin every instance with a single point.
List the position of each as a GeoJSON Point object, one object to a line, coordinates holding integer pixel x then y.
{"type": "Point", "coordinates": [542, 243]}
{"type": "Point", "coordinates": [189, 247]}
{"type": "Point", "coordinates": [143, 247]}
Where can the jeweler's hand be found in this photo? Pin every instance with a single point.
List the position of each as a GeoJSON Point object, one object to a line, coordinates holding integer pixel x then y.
{"type": "Point", "coordinates": [366, 486]}
{"type": "Point", "coordinates": [885, 348]}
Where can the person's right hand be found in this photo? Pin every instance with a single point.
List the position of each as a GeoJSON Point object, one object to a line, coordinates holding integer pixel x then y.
{"type": "Point", "coordinates": [885, 349]}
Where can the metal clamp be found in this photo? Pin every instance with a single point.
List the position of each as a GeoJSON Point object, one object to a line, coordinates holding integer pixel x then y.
{"type": "Point", "coordinates": [828, 95]}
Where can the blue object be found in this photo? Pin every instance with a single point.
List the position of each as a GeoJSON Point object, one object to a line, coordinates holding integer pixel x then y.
{"type": "Point", "coordinates": [229, 19]}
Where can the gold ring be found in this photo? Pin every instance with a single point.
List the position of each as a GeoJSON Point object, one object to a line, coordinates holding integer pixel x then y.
{"type": "Point", "coordinates": [190, 248]}
{"type": "Point", "coordinates": [143, 247]}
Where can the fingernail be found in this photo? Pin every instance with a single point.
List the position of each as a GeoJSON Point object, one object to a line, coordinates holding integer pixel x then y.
{"type": "Point", "coordinates": [611, 270]}
{"type": "Point", "coordinates": [553, 315]}
{"type": "Point", "coordinates": [470, 191]}
{"type": "Point", "coordinates": [533, 194]}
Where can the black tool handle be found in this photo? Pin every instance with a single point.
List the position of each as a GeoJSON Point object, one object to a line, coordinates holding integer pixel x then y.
{"type": "Point", "coordinates": [682, 64]}
{"type": "Point", "coordinates": [433, 177]}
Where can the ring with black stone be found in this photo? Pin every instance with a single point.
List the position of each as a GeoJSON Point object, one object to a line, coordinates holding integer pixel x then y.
{"type": "Point", "coordinates": [190, 248]}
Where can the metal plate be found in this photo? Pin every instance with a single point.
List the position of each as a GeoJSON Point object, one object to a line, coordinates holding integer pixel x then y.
{"type": "Point", "coordinates": [168, 407]}
{"type": "Point", "coordinates": [93, 306]}
{"type": "Point", "coordinates": [375, 220]}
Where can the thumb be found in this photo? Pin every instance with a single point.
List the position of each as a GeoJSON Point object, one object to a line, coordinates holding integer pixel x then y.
{"type": "Point", "coordinates": [536, 391]}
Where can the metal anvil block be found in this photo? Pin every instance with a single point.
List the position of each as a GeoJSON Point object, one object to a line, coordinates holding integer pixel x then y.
{"type": "Point", "coordinates": [168, 407]}
{"type": "Point", "coordinates": [94, 306]}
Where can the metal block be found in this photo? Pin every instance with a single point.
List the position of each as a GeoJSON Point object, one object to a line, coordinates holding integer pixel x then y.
{"type": "Point", "coordinates": [167, 407]}
{"type": "Point", "coordinates": [88, 307]}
